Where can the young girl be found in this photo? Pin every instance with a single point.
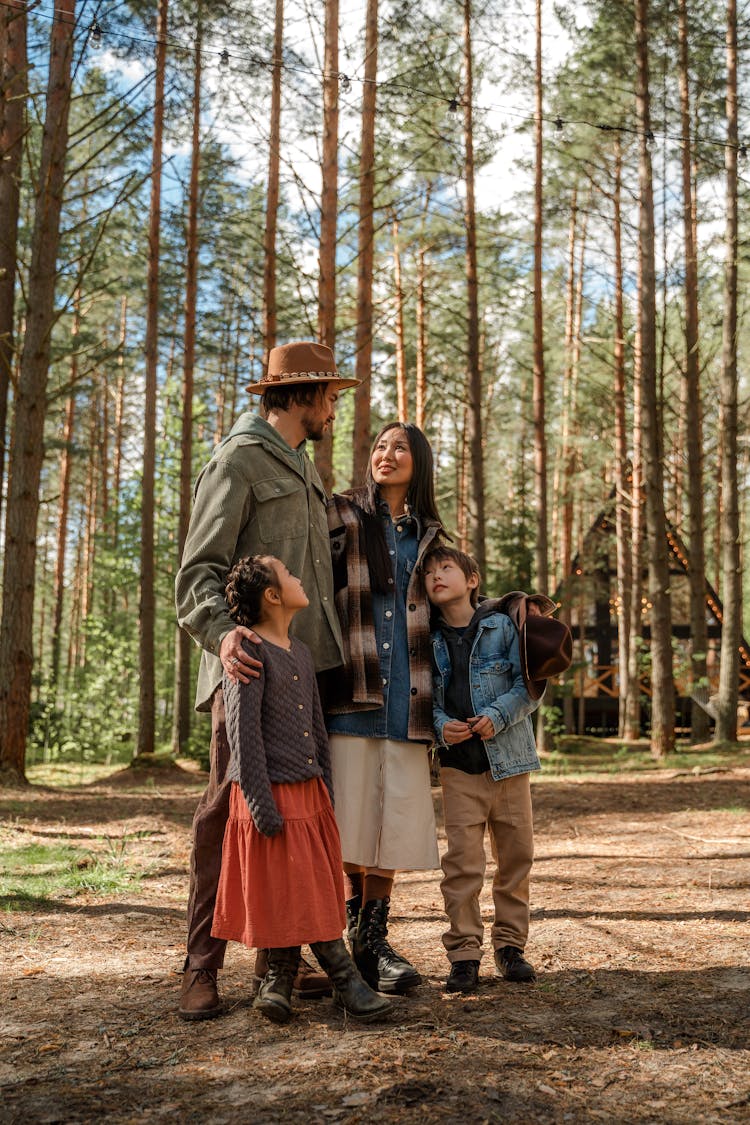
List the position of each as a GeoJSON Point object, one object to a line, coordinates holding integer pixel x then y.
{"type": "Point", "coordinates": [281, 884]}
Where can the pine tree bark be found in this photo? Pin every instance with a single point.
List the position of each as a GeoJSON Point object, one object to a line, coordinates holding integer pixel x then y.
{"type": "Point", "coordinates": [731, 570]}
{"type": "Point", "coordinates": [622, 521]}
{"type": "Point", "coordinates": [637, 539]}
{"type": "Point", "coordinates": [16, 627]}
{"type": "Point", "coordinates": [699, 726]}
{"type": "Point", "coordinates": [328, 215]}
{"type": "Point", "coordinates": [402, 394]}
{"type": "Point", "coordinates": [272, 193]}
{"type": "Point", "coordinates": [119, 421]}
{"type": "Point", "coordinates": [662, 688]}
{"type": "Point", "coordinates": [540, 435]}
{"type": "Point", "coordinates": [146, 616]}
{"type": "Point", "coordinates": [66, 465]}
{"type": "Point", "coordinates": [181, 710]}
{"type": "Point", "coordinates": [13, 95]}
{"type": "Point", "coordinates": [475, 495]}
{"type": "Point", "coordinates": [365, 249]}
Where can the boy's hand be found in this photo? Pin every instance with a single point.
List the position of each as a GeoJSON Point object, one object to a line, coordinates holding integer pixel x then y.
{"type": "Point", "coordinates": [481, 725]}
{"type": "Point", "coordinates": [455, 731]}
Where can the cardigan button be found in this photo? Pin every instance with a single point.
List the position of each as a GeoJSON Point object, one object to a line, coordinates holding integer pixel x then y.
{"type": "Point", "coordinates": [412, 606]}
{"type": "Point", "coordinates": [306, 733]}
{"type": "Point", "coordinates": [413, 691]}
{"type": "Point", "coordinates": [309, 761]}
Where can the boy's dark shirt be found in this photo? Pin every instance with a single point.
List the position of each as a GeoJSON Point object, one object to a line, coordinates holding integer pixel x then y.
{"type": "Point", "coordinates": [469, 756]}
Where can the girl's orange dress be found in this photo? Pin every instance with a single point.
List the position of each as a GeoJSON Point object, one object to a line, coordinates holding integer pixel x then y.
{"type": "Point", "coordinates": [286, 889]}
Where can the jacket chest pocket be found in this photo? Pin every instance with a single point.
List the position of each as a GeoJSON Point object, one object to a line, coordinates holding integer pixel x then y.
{"type": "Point", "coordinates": [495, 677]}
{"type": "Point", "coordinates": [280, 509]}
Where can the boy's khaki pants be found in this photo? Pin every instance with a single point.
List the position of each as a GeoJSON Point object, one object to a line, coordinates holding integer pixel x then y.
{"type": "Point", "coordinates": [472, 803]}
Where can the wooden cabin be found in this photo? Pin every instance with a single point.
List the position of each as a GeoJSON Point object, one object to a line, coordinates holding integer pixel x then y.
{"type": "Point", "coordinates": [590, 592]}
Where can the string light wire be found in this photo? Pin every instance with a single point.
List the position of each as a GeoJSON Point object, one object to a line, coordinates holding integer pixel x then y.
{"type": "Point", "coordinates": [453, 104]}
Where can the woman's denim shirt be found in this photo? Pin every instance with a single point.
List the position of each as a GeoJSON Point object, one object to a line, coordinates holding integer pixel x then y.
{"type": "Point", "coordinates": [497, 690]}
{"type": "Point", "coordinates": [389, 610]}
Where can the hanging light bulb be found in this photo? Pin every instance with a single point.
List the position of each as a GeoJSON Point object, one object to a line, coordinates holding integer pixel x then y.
{"type": "Point", "coordinates": [95, 35]}
{"type": "Point", "coordinates": [560, 134]}
{"type": "Point", "coordinates": [346, 84]}
{"type": "Point", "coordinates": [224, 58]}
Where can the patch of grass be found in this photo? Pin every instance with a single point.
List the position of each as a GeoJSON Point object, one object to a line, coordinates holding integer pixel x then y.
{"type": "Point", "coordinates": [574, 755]}
{"type": "Point", "coordinates": [69, 775]}
{"type": "Point", "coordinates": [40, 873]}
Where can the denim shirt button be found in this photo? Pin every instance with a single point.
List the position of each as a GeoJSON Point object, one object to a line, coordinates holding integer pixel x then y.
{"type": "Point", "coordinates": [389, 613]}
{"type": "Point", "coordinates": [386, 645]}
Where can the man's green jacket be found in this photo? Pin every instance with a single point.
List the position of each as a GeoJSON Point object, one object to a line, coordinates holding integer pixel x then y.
{"type": "Point", "coordinates": [256, 496]}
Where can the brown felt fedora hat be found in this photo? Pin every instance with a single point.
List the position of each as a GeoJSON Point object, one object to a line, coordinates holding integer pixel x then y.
{"type": "Point", "coordinates": [302, 361]}
{"type": "Point", "coordinates": [546, 649]}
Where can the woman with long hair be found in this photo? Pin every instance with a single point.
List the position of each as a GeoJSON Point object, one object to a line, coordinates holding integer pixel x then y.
{"type": "Point", "coordinates": [379, 706]}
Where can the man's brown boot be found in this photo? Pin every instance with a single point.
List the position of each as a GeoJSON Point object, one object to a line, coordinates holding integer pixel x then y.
{"type": "Point", "coordinates": [309, 983]}
{"type": "Point", "coordinates": [200, 996]}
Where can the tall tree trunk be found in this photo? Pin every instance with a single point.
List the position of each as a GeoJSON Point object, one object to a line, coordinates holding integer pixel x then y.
{"type": "Point", "coordinates": [401, 387]}
{"type": "Point", "coordinates": [699, 726]}
{"type": "Point", "coordinates": [66, 467]}
{"type": "Point", "coordinates": [570, 408]}
{"type": "Point", "coordinates": [272, 194]}
{"type": "Point", "coordinates": [328, 214]}
{"type": "Point", "coordinates": [365, 248]}
{"type": "Point", "coordinates": [183, 645]}
{"type": "Point", "coordinates": [420, 403]}
{"type": "Point", "coordinates": [475, 495]}
{"type": "Point", "coordinates": [13, 95]}
{"type": "Point", "coordinates": [90, 505]}
{"type": "Point", "coordinates": [622, 521]}
{"type": "Point", "coordinates": [662, 698]}
{"type": "Point", "coordinates": [16, 627]}
{"type": "Point", "coordinates": [635, 632]}
{"type": "Point", "coordinates": [731, 571]}
{"type": "Point", "coordinates": [146, 616]}
{"type": "Point", "coordinates": [540, 436]}
{"type": "Point", "coordinates": [118, 421]}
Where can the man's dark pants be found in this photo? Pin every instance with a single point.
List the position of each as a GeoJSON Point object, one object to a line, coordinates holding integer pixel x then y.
{"type": "Point", "coordinates": [209, 822]}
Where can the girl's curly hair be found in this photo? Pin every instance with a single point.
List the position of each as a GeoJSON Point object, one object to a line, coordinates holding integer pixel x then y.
{"type": "Point", "coordinates": [246, 582]}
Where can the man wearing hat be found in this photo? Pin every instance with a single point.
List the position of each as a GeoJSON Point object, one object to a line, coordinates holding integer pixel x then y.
{"type": "Point", "coordinates": [259, 494]}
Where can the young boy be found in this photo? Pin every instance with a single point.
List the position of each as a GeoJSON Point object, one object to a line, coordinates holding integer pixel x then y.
{"type": "Point", "coordinates": [481, 708]}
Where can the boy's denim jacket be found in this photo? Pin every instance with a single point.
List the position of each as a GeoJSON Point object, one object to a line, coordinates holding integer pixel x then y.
{"type": "Point", "coordinates": [497, 690]}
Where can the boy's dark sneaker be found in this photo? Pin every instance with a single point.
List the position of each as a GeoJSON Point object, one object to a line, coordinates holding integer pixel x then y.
{"type": "Point", "coordinates": [464, 977]}
{"type": "Point", "coordinates": [512, 965]}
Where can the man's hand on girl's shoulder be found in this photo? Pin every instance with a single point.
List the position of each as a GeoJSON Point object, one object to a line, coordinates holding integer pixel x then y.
{"type": "Point", "coordinates": [240, 667]}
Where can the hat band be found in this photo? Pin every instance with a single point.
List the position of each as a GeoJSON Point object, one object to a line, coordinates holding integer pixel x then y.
{"type": "Point", "coordinates": [300, 375]}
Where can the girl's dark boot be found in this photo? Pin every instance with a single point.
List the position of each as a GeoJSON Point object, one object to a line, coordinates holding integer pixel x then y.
{"type": "Point", "coordinates": [349, 990]}
{"type": "Point", "coordinates": [353, 907]}
{"type": "Point", "coordinates": [376, 960]}
{"type": "Point", "coordinates": [274, 999]}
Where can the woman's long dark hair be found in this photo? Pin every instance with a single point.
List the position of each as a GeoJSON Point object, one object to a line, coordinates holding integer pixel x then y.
{"type": "Point", "coordinates": [420, 498]}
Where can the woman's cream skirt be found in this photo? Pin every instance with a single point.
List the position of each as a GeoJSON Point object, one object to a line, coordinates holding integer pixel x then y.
{"type": "Point", "coordinates": [383, 803]}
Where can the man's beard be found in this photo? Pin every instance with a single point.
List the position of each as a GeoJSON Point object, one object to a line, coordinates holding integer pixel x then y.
{"type": "Point", "coordinates": [314, 431]}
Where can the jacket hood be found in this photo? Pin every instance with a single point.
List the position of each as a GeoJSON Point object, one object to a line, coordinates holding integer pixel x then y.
{"type": "Point", "coordinates": [485, 608]}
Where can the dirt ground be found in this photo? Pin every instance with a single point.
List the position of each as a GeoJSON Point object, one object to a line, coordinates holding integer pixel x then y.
{"type": "Point", "coordinates": [639, 933]}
